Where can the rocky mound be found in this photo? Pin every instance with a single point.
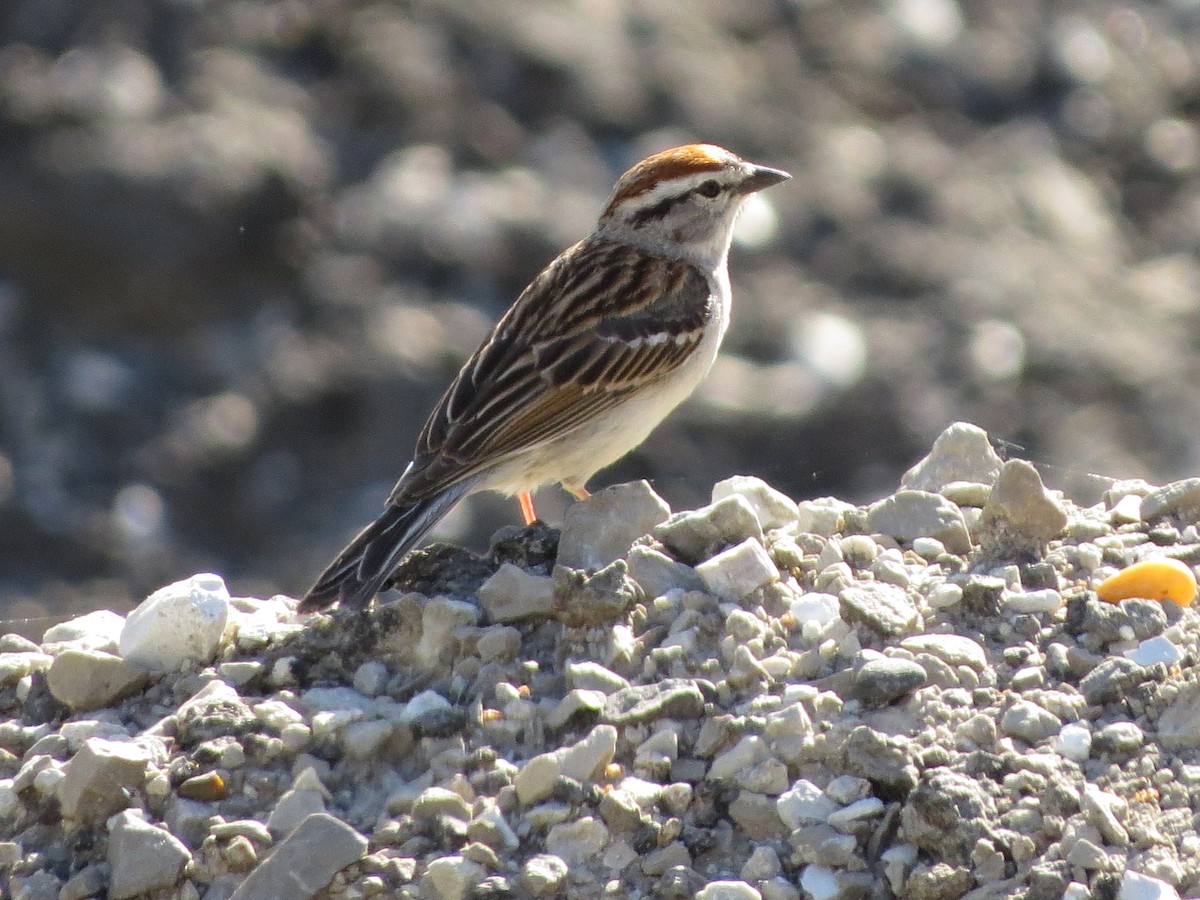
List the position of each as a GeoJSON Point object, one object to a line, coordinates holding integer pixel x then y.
{"type": "Point", "coordinates": [919, 698]}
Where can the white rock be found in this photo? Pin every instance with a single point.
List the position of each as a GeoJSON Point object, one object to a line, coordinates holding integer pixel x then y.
{"type": "Point", "coordinates": [738, 571]}
{"type": "Point", "coordinates": [814, 607]}
{"type": "Point", "coordinates": [804, 804]}
{"type": "Point", "coordinates": [451, 877]}
{"type": "Point", "coordinates": [305, 797]}
{"type": "Point", "coordinates": [819, 882]}
{"type": "Point", "coordinates": [513, 594]}
{"type": "Point", "coordinates": [949, 648]}
{"type": "Point", "coordinates": [945, 595]}
{"type": "Point", "coordinates": [602, 528]}
{"type": "Point", "coordinates": [371, 678]}
{"type": "Point", "coordinates": [581, 761]}
{"type": "Point", "coordinates": [847, 817]}
{"type": "Point", "coordinates": [1047, 600]}
{"type": "Point", "coordinates": [1074, 742]}
{"type": "Point", "coordinates": [97, 630]}
{"type": "Point", "coordinates": [180, 622]}
{"type": "Point", "coordinates": [101, 778]}
{"type": "Point", "coordinates": [363, 739]}
{"type": "Point", "coordinates": [577, 842]}
{"type": "Point", "coordinates": [422, 703]}
{"type": "Point", "coordinates": [1154, 650]}
{"type": "Point", "coordinates": [773, 508]}
{"type": "Point", "coordinates": [1136, 886]}
{"type": "Point", "coordinates": [742, 755]}
{"type": "Point", "coordinates": [728, 890]}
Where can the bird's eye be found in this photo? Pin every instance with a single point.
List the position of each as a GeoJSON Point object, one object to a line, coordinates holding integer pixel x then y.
{"type": "Point", "coordinates": [710, 188]}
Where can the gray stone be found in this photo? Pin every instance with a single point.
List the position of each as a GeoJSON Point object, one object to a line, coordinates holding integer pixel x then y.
{"type": "Point", "coordinates": [804, 804]}
{"type": "Point", "coordinates": [879, 682]}
{"type": "Point", "coordinates": [513, 594]}
{"type": "Point", "coordinates": [588, 675]}
{"type": "Point", "coordinates": [656, 573]}
{"type": "Point", "coordinates": [674, 698]}
{"type": "Point", "coordinates": [1104, 810]}
{"type": "Point", "coordinates": [884, 608]}
{"type": "Point", "coordinates": [587, 600]}
{"type": "Point", "coordinates": [576, 702]}
{"type": "Point", "coordinates": [100, 778]}
{"type": "Point", "coordinates": [1119, 739]}
{"type": "Point", "coordinates": [602, 528]}
{"type": "Point", "coordinates": [1179, 724]}
{"type": "Point", "coordinates": [451, 878]}
{"type": "Point", "coordinates": [1130, 619]}
{"type": "Point", "coordinates": [908, 515]}
{"type": "Point", "coordinates": [773, 508]}
{"type": "Point", "coordinates": [953, 649]}
{"type": "Point", "coordinates": [16, 665]}
{"type": "Point", "coordinates": [40, 885]}
{"type": "Point", "coordinates": [696, 535]}
{"type": "Point", "coordinates": [1110, 680]}
{"type": "Point", "coordinates": [728, 890]}
{"type": "Point", "coordinates": [738, 571]}
{"type": "Point", "coordinates": [498, 642]}
{"type": "Point", "coordinates": [582, 761]}
{"type": "Point", "coordinates": [880, 758]}
{"type": "Point", "coordinates": [577, 842]}
{"type": "Point", "coordinates": [143, 857]}
{"type": "Point", "coordinates": [1179, 498]}
{"type": "Point", "coordinates": [1029, 722]}
{"type": "Point", "coordinates": [91, 679]}
{"type": "Point", "coordinates": [1020, 517]}
{"type": "Point", "coordinates": [435, 802]}
{"type": "Point", "coordinates": [305, 861]}
{"type": "Point", "coordinates": [961, 453]}
{"type": "Point", "coordinates": [304, 799]}
{"type": "Point", "coordinates": [90, 881]}
{"type": "Point", "coordinates": [544, 875]}
{"type": "Point", "coordinates": [946, 814]}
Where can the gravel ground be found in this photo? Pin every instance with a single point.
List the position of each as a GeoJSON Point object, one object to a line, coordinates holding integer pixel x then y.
{"type": "Point", "coordinates": [919, 698]}
{"type": "Point", "coordinates": [243, 245]}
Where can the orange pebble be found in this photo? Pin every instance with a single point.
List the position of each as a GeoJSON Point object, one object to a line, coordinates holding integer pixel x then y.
{"type": "Point", "coordinates": [1152, 579]}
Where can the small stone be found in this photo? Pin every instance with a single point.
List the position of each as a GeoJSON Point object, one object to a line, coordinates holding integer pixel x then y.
{"type": "Point", "coordinates": [1087, 855]}
{"type": "Point", "coordinates": [820, 883]}
{"type": "Point", "coordinates": [739, 571]}
{"type": "Point", "coordinates": [371, 678]}
{"type": "Point", "coordinates": [1029, 722]}
{"type": "Point", "coordinates": [241, 672]}
{"type": "Point", "coordinates": [176, 624]}
{"type": "Point", "coordinates": [208, 787]}
{"type": "Point", "coordinates": [15, 666]}
{"type": "Point", "coordinates": [741, 756]}
{"type": "Point", "coordinates": [884, 608]}
{"type": "Point", "coordinates": [674, 698]}
{"type": "Point", "coordinates": [544, 875]}
{"type": "Point", "coordinates": [490, 827]}
{"type": "Point", "coordinates": [600, 599]}
{"type": "Point", "coordinates": [1020, 517]}
{"type": "Point", "coordinates": [591, 676]}
{"type": "Point", "coordinates": [947, 813]}
{"type": "Point", "coordinates": [696, 535]}
{"type": "Point", "coordinates": [90, 881]}
{"type": "Point", "coordinates": [762, 865]}
{"type": "Point", "coordinates": [773, 508]}
{"type": "Point", "coordinates": [1104, 811]}
{"type": "Point", "coordinates": [728, 890]}
{"type": "Point", "coordinates": [1046, 600]}
{"type": "Point", "coordinates": [100, 778]}
{"type": "Point", "coordinates": [820, 609]}
{"type": "Point", "coordinates": [1180, 499]}
{"type": "Point", "coordinates": [92, 679]}
{"type": "Point", "coordinates": [143, 857]}
{"type": "Point", "coordinates": [304, 799]}
{"type": "Point", "coordinates": [581, 761]}
{"type": "Point", "coordinates": [961, 453]}
{"type": "Point", "coordinates": [879, 682]}
{"type": "Point", "coordinates": [1156, 651]}
{"type": "Point", "coordinates": [240, 854]}
{"type": "Point", "coordinates": [1110, 680]}
{"type": "Point", "coordinates": [804, 804]}
{"type": "Point", "coordinates": [498, 642]}
{"type": "Point", "coordinates": [305, 861]}
{"type": "Point", "coordinates": [953, 649]}
{"type": "Point", "coordinates": [1136, 886]}
{"type": "Point", "coordinates": [39, 885]}
{"type": "Point", "coordinates": [1074, 742]}
{"type": "Point", "coordinates": [434, 802]}
{"type": "Point", "coordinates": [1179, 724]}
{"type": "Point", "coordinates": [576, 703]}
{"type": "Point", "coordinates": [656, 573]}
{"type": "Point", "coordinates": [944, 596]}
{"type": "Point", "coordinates": [513, 594]}
{"type": "Point", "coordinates": [362, 740]}
{"type": "Point", "coordinates": [907, 515]}
{"type": "Point", "coordinates": [97, 630]}
{"type": "Point", "coordinates": [601, 529]}
{"type": "Point", "coordinates": [1119, 739]}
{"type": "Point", "coordinates": [823, 516]}
{"type": "Point", "coordinates": [451, 878]}
{"type": "Point", "coordinates": [848, 817]}
{"type": "Point", "coordinates": [577, 842]}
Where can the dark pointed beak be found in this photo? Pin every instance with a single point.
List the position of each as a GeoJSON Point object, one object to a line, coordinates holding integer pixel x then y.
{"type": "Point", "coordinates": [761, 177]}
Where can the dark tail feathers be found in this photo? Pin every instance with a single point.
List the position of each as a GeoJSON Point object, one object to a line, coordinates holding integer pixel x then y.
{"type": "Point", "coordinates": [360, 571]}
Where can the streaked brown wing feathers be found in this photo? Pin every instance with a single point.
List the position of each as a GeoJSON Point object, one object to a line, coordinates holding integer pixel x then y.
{"type": "Point", "coordinates": [597, 324]}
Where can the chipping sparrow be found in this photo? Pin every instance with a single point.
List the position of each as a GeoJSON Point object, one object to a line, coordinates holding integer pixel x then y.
{"type": "Point", "coordinates": [608, 339]}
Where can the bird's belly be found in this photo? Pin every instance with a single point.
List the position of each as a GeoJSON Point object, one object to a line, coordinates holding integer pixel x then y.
{"type": "Point", "coordinates": [575, 457]}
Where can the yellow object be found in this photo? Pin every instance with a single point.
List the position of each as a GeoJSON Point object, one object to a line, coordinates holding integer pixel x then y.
{"type": "Point", "coordinates": [1153, 579]}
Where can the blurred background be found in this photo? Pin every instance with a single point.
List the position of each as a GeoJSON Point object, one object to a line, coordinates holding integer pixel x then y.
{"type": "Point", "coordinates": [244, 244]}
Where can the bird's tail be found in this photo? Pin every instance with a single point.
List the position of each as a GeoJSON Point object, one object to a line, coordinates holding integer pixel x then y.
{"type": "Point", "coordinates": [360, 571]}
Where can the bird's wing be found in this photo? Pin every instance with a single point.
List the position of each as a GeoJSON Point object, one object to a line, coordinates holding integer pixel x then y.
{"type": "Point", "coordinates": [598, 324]}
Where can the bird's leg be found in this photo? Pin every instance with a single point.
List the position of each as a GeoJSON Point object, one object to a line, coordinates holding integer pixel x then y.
{"type": "Point", "coordinates": [527, 511]}
{"type": "Point", "coordinates": [580, 492]}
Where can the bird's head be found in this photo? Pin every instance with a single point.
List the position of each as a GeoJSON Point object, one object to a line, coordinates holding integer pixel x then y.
{"type": "Point", "coordinates": [684, 201]}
